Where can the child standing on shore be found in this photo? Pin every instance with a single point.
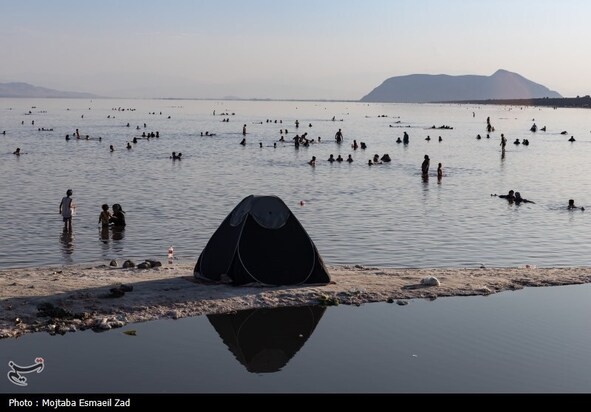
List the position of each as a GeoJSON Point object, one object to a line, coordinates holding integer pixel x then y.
{"type": "Point", "coordinates": [105, 216]}
{"type": "Point", "coordinates": [66, 207]}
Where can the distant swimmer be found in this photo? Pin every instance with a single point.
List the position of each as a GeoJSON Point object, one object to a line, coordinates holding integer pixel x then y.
{"type": "Point", "coordinates": [261, 145]}
{"type": "Point", "coordinates": [519, 199]}
{"type": "Point", "coordinates": [331, 158]}
{"type": "Point", "coordinates": [399, 140]}
{"type": "Point", "coordinates": [244, 130]}
{"type": "Point", "coordinates": [111, 148]}
{"type": "Point", "coordinates": [355, 145]}
{"type": "Point", "coordinates": [312, 162]}
{"type": "Point", "coordinates": [17, 152]}
{"type": "Point", "coordinates": [572, 139]}
{"type": "Point", "coordinates": [338, 137]}
{"type": "Point", "coordinates": [478, 137]}
{"type": "Point", "coordinates": [386, 158]}
{"type": "Point", "coordinates": [503, 142]}
{"type": "Point", "coordinates": [525, 142]}
{"type": "Point", "coordinates": [405, 138]}
{"type": "Point", "coordinates": [128, 146]}
{"type": "Point", "coordinates": [67, 137]}
{"type": "Point", "coordinates": [362, 145]}
{"type": "Point", "coordinates": [428, 138]}
{"type": "Point", "coordinates": [564, 132]}
{"type": "Point", "coordinates": [571, 205]}
{"type": "Point", "coordinates": [339, 158]}
{"type": "Point", "coordinates": [509, 196]}
{"type": "Point", "coordinates": [439, 171]}
{"type": "Point", "coordinates": [349, 159]}
{"type": "Point", "coordinates": [440, 139]}
{"type": "Point", "coordinates": [243, 142]}
{"type": "Point", "coordinates": [516, 141]}
{"type": "Point", "coordinates": [543, 129]}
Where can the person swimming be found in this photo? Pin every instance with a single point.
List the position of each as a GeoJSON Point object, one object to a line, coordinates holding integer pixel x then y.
{"type": "Point", "coordinates": [571, 205]}
{"type": "Point", "coordinates": [572, 139]}
{"type": "Point", "coordinates": [339, 158]}
{"type": "Point", "coordinates": [509, 196]}
{"type": "Point", "coordinates": [386, 158]}
{"type": "Point", "coordinates": [349, 159]}
{"type": "Point", "coordinates": [331, 158]}
{"type": "Point", "coordinates": [399, 140]}
{"type": "Point", "coordinates": [518, 199]}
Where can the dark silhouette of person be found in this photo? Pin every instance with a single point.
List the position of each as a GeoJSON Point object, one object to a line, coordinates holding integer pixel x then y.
{"type": "Point", "coordinates": [118, 217]}
{"type": "Point", "coordinates": [519, 199]}
{"type": "Point", "coordinates": [338, 136]}
{"type": "Point", "coordinates": [510, 196]}
{"type": "Point", "coordinates": [425, 166]}
{"type": "Point", "coordinates": [571, 205]}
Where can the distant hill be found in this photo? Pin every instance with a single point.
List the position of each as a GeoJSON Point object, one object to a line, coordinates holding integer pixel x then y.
{"type": "Point", "coordinates": [28, 90]}
{"type": "Point", "coordinates": [425, 88]}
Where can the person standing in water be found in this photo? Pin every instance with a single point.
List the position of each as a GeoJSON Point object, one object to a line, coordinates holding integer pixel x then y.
{"type": "Point", "coordinates": [439, 171]}
{"type": "Point", "coordinates": [425, 166]}
{"type": "Point", "coordinates": [66, 207]}
{"type": "Point", "coordinates": [105, 216]}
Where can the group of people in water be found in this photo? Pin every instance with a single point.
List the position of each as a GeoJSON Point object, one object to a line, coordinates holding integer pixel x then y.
{"type": "Point", "coordinates": [515, 197]}
{"type": "Point", "coordinates": [115, 220]}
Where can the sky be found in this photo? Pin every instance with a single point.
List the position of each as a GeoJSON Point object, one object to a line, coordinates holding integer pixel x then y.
{"type": "Point", "coordinates": [287, 49]}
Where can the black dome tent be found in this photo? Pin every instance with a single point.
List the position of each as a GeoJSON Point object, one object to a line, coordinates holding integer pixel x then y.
{"type": "Point", "coordinates": [262, 241]}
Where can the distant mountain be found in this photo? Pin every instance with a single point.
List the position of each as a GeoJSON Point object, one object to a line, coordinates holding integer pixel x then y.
{"type": "Point", "coordinates": [424, 88]}
{"type": "Point", "coordinates": [28, 90]}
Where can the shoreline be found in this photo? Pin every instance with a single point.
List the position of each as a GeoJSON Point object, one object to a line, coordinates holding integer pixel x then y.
{"type": "Point", "coordinates": [79, 297]}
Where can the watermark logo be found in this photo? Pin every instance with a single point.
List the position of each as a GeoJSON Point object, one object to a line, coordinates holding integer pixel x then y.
{"type": "Point", "coordinates": [16, 372]}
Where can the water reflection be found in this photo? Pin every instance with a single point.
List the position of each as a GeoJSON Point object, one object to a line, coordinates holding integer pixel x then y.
{"type": "Point", "coordinates": [67, 245]}
{"type": "Point", "coordinates": [264, 340]}
{"type": "Point", "coordinates": [106, 234]}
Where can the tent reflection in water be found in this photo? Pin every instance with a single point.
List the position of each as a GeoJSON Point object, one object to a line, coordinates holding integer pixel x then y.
{"type": "Point", "coordinates": [264, 340]}
{"type": "Point", "coordinates": [262, 241]}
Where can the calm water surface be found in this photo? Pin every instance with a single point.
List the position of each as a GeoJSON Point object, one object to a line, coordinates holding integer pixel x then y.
{"type": "Point", "coordinates": [383, 215]}
{"type": "Point", "coordinates": [535, 340]}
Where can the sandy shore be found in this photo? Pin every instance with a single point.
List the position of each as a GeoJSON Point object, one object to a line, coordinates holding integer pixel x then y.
{"type": "Point", "coordinates": [69, 298]}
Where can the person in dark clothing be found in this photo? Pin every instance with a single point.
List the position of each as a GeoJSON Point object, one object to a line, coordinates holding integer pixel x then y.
{"type": "Point", "coordinates": [118, 217]}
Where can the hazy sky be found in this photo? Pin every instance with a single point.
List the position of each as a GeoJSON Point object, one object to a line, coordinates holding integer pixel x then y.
{"type": "Point", "coordinates": [338, 49]}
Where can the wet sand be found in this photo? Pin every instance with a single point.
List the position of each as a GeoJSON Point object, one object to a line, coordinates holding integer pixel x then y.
{"type": "Point", "coordinates": [78, 297]}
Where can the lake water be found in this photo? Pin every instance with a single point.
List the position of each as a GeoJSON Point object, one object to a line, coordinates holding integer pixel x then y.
{"type": "Point", "coordinates": [536, 340]}
{"type": "Point", "coordinates": [383, 215]}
